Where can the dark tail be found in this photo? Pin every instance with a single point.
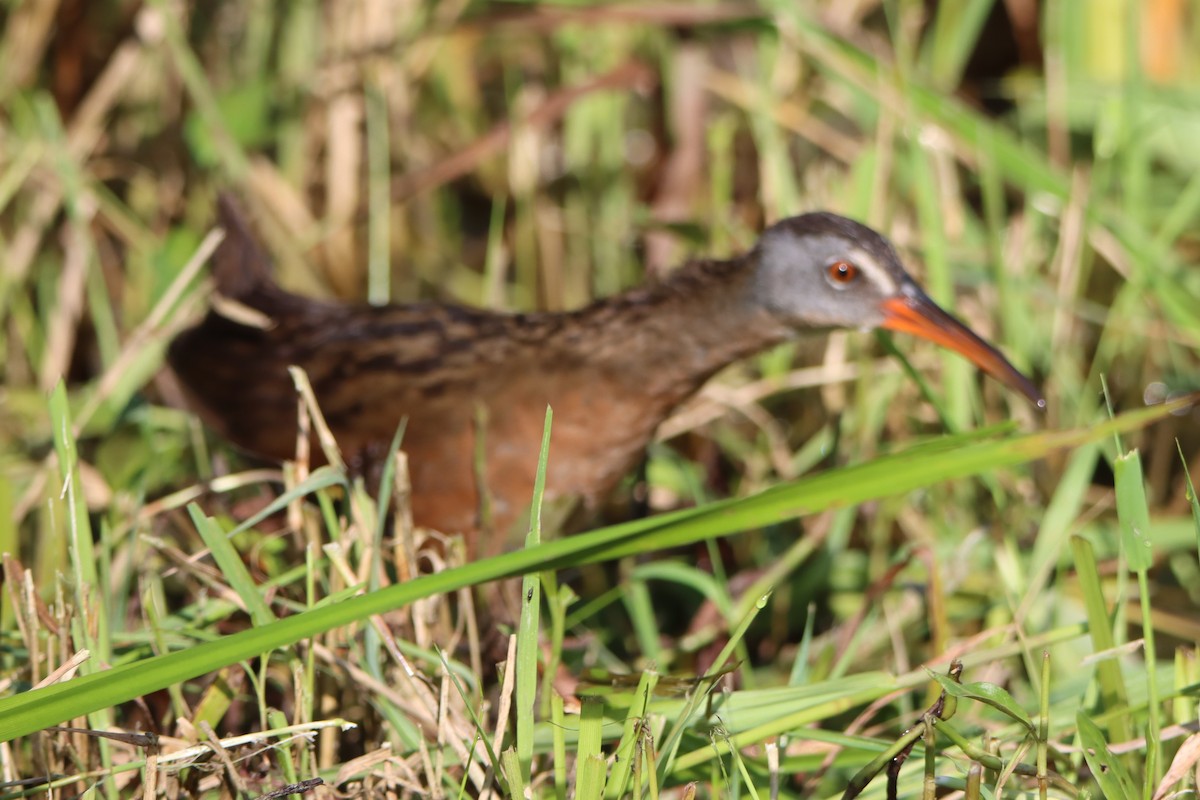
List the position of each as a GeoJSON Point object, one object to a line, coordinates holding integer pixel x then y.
{"type": "Point", "coordinates": [240, 267]}
{"type": "Point", "coordinates": [234, 371]}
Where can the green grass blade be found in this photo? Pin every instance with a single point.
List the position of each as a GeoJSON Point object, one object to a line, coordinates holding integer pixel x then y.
{"type": "Point", "coordinates": [83, 555]}
{"type": "Point", "coordinates": [1193, 501]}
{"type": "Point", "coordinates": [513, 774]}
{"type": "Point", "coordinates": [589, 760]}
{"type": "Point", "coordinates": [231, 566]}
{"type": "Point", "coordinates": [1055, 525]}
{"type": "Point", "coordinates": [956, 29]}
{"type": "Point", "coordinates": [1133, 512]}
{"type": "Point", "coordinates": [591, 778]}
{"type": "Point", "coordinates": [529, 622]}
{"type": "Point", "coordinates": [558, 724]}
{"type": "Point", "coordinates": [1113, 692]}
{"type": "Point", "coordinates": [1109, 772]}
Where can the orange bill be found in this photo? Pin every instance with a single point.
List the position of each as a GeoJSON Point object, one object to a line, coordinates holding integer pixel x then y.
{"type": "Point", "coordinates": [913, 312]}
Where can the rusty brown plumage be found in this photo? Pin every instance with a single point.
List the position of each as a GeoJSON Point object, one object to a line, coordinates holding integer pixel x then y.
{"type": "Point", "coordinates": [612, 371]}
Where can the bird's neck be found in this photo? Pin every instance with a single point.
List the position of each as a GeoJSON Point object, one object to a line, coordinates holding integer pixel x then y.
{"type": "Point", "coordinates": [673, 335]}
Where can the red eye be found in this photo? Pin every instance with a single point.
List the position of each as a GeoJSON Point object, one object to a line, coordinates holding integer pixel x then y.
{"type": "Point", "coordinates": [842, 272]}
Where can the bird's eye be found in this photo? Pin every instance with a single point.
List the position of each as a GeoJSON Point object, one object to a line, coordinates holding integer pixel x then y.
{"type": "Point", "coordinates": [842, 273]}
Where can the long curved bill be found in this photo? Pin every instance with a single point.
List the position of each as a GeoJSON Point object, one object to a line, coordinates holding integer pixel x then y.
{"type": "Point", "coordinates": [913, 312]}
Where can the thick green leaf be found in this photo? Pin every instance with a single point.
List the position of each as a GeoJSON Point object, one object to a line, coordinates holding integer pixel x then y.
{"type": "Point", "coordinates": [995, 696]}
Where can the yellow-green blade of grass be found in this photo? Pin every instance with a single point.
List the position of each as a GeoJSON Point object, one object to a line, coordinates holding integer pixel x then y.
{"type": "Point", "coordinates": [559, 745]}
{"type": "Point", "coordinates": [1113, 692]}
{"type": "Point", "coordinates": [1191, 496]}
{"type": "Point", "coordinates": [1132, 511]}
{"type": "Point", "coordinates": [385, 482]}
{"type": "Point", "coordinates": [1055, 523]}
{"type": "Point", "coordinates": [684, 574]}
{"type": "Point", "coordinates": [635, 596]}
{"type": "Point", "coordinates": [743, 772]}
{"type": "Point", "coordinates": [956, 30]}
{"type": "Point", "coordinates": [231, 566]}
{"type": "Point", "coordinates": [89, 592]}
{"type": "Point", "coordinates": [379, 290]}
{"type": "Point", "coordinates": [591, 778]}
{"type": "Point", "coordinates": [1115, 781]}
{"type": "Point", "coordinates": [528, 624]}
{"type": "Point", "coordinates": [589, 760]}
{"type": "Point", "coordinates": [510, 763]}
{"type": "Point", "coordinates": [1133, 514]}
{"type": "Point", "coordinates": [882, 477]}
{"type": "Point", "coordinates": [83, 556]}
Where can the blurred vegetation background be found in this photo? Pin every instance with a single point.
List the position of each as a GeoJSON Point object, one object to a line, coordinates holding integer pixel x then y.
{"type": "Point", "coordinates": [1034, 161]}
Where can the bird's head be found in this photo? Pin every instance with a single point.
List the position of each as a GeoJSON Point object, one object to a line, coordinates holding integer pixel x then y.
{"type": "Point", "coordinates": [821, 270]}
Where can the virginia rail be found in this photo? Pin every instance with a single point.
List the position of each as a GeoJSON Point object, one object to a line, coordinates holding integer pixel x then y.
{"type": "Point", "coordinates": [463, 377]}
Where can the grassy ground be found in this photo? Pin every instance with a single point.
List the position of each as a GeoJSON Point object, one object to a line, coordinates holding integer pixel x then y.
{"type": "Point", "coordinates": [1037, 167]}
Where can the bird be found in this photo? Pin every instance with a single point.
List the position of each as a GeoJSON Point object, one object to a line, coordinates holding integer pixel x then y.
{"type": "Point", "coordinates": [472, 385]}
